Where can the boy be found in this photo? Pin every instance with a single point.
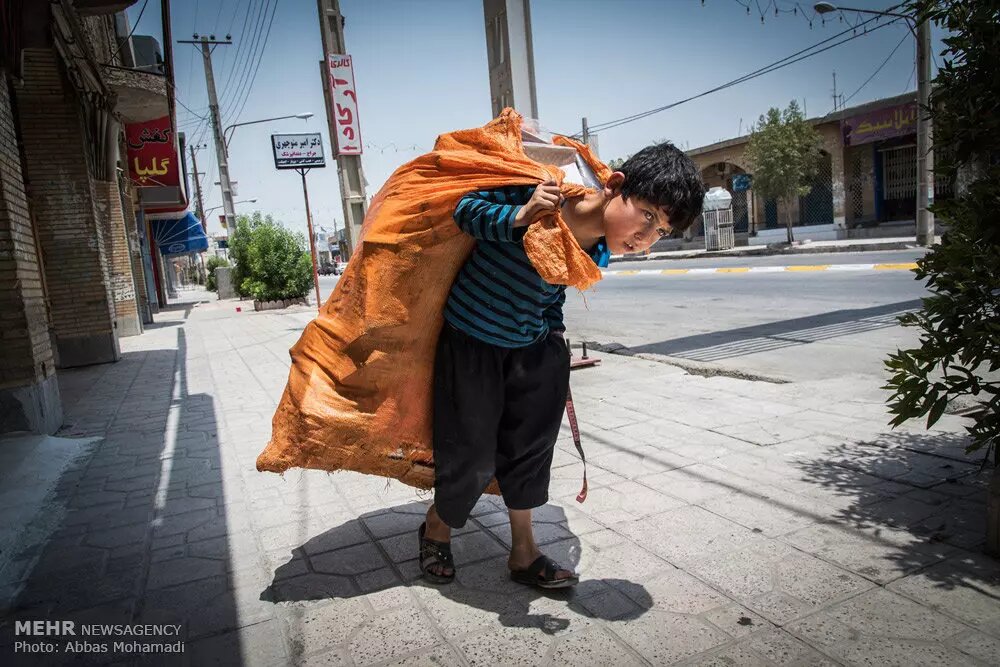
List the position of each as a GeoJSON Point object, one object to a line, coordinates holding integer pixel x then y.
{"type": "Point", "coordinates": [501, 371]}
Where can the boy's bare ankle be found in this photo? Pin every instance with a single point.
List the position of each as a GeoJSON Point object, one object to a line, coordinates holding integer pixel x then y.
{"type": "Point", "coordinates": [436, 529]}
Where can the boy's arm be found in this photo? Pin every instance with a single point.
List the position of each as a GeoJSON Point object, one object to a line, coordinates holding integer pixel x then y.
{"type": "Point", "coordinates": [492, 215]}
{"type": "Point", "coordinates": [554, 315]}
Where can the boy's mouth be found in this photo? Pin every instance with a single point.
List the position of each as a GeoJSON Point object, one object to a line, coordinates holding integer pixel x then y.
{"type": "Point", "coordinates": [628, 246]}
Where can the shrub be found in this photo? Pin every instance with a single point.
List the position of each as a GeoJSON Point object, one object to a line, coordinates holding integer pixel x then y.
{"type": "Point", "coordinates": [272, 263]}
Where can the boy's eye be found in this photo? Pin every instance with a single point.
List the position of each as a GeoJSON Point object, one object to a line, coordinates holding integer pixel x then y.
{"type": "Point", "coordinates": [649, 216]}
{"type": "Point", "coordinates": [662, 232]}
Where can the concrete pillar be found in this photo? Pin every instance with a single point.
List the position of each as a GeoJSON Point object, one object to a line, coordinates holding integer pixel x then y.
{"type": "Point", "coordinates": [64, 197]}
{"type": "Point", "coordinates": [835, 147]}
{"type": "Point", "coordinates": [119, 258]}
{"type": "Point", "coordinates": [29, 392]}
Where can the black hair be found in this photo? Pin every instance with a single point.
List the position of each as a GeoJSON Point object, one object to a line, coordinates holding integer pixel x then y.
{"type": "Point", "coordinates": [664, 176]}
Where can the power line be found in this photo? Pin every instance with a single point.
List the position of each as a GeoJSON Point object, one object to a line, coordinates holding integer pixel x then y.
{"type": "Point", "coordinates": [260, 59]}
{"type": "Point", "coordinates": [248, 63]}
{"type": "Point", "coordinates": [239, 48]}
{"type": "Point", "coordinates": [877, 70]}
{"type": "Point", "coordinates": [767, 69]}
{"type": "Point", "coordinates": [130, 33]}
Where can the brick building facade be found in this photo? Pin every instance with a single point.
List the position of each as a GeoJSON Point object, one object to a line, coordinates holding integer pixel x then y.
{"type": "Point", "coordinates": [72, 279]}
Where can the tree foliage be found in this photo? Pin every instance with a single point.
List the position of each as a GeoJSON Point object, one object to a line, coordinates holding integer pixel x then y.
{"type": "Point", "coordinates": [959, 324]}
{"type": "Point", "coordinates": [271, 263]}
{"type": "Point", "coordinates": [784, 152]}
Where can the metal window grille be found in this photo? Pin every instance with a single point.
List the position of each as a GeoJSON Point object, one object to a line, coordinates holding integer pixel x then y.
{"type": "Point", "coordinates": [816, 208]}
{"type": "Point", "coordinates": [899, 172]}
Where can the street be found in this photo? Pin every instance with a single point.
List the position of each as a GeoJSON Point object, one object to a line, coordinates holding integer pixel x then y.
{"type": "Point", "coordinates": [788, 325]}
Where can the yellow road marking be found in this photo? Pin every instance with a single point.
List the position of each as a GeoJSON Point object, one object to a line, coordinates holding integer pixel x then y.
{"type": "Point", "coordinates": [673, 272]}
{"type": "Point", "coordinates": [815, 267]}
{"type": "Point", "coordinates": [895, 267]}
{"type": "Point", "coordinates": [628, 273]}
{"type": "Point", "coordinates": [736, 269]}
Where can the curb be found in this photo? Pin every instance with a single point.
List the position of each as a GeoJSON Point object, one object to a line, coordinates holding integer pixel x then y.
{"type": "Point", "coordinates": [761, 251]}
{"type": "Point", "coordinates": [792, 268]}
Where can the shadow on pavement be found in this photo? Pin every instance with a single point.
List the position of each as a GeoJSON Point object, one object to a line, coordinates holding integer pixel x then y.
{"type": "Point", "coordinates": [719, 345]}
{"type": "Point", "coordinates": [920, 501]}
{"type": "Point", "coordinates": [377, 552]}
{"type": "Point", "coordinates": [142, 535]}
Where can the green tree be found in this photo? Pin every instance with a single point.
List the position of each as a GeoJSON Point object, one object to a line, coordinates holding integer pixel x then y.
{"type": "Point", "coordinates": [210, 266]}
{"type": "Point", "coordinates": [785, 153]}
{"type": "Point", "coordinates": [959, 324]}
{"type": "Point", "coordinates": [271, 262]}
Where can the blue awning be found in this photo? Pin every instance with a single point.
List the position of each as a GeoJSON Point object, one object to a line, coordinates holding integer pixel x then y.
{"type": "Point", "coordinates": [179, 236]}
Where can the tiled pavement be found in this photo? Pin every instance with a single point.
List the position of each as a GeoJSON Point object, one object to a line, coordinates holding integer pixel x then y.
{"type": "Point", "coordinates": [729, 522]}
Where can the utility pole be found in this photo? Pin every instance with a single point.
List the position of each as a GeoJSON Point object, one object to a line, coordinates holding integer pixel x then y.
{"type": "Point", "coordinates": [349, 171]}
{"type": "Point", "coordinates": [197, 187]}
{"type": "Point", "coordinates": [586, 131]}
{"type": "Point", "coordinates": [510, 56]}
{"type": "Point", "coordinates": [312, 237]}
{"type": "Point", "coordinates": [222, 154]}
{"type": "Point", "coordinates": [925, 148]}
{"type": "Point", "coordinates": [835, 91]}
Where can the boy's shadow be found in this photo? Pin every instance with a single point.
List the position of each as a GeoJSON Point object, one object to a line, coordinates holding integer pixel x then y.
{"type": "Point", "coordinates": [377, 552]}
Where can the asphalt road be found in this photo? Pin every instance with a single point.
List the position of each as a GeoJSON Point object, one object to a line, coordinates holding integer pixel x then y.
{"type": "Point", "coordinates": [794, 326]}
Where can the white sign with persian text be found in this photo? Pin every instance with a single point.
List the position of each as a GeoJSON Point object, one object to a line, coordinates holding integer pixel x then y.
{"type": "Point", "coordinates": [344, 99]}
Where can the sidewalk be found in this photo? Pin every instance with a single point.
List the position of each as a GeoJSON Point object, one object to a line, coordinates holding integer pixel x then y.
{"type": "Point", "coordinates": [728, 522]}
{"type": "Point", "coordinates": [810, 247]}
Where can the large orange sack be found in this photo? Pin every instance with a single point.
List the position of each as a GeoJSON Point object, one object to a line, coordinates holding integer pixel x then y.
{"type": "Point", "coordinates": [359, 393]}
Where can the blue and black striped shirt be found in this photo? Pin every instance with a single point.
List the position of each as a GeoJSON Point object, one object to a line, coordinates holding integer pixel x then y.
{"type": "Point", "coordinates": [498, 296]}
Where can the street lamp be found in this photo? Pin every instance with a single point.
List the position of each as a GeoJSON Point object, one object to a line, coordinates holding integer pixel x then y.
{"type": "Point", "coordinates": [230, 128]}
{"type": "Point", "coordinates": [216, 208]}
{"type": "Point", "coordinates": [925, 151]}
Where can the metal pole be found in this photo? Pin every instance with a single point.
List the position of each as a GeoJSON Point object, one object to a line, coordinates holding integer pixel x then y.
{"type": "Point", "coordinates": [220, 145]}
{"type": "Point", "coordinates": [197, 188]}
{"type": "Point", "coordinates": [349, 171]}
{"type": "Point", "coordinates": [586, 132]}
{"type": "Point", "coordinates": [925, 148]}
{"type": "Point", "coordinates": [312, 237]}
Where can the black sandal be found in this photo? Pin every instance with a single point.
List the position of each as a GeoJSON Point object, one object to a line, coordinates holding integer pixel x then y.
{"type": "Point", "coordinates": [546, 567]}
{"type": "Point", "coordinates": [434, 553]}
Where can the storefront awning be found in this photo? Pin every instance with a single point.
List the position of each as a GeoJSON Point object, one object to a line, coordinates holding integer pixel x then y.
{"type": "Point", "coordinates": [179, 236]}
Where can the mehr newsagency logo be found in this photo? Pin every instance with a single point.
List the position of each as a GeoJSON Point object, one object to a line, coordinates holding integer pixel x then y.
{"type": "Point", "coordinates": [71, 637]}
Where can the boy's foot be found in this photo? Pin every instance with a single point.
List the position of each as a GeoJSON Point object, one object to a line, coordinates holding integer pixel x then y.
{"type": "Point", "coordinates": [436, 561]}
{"type": "Point", "coordinates": [541, 572]}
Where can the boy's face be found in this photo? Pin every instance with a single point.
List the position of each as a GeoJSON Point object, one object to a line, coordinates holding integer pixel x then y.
{"type": "Point", "coordinates": [631, 225]}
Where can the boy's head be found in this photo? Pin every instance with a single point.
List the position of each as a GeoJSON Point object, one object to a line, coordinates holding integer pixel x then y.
{"type": "Point", "coordinates": [657, 190]}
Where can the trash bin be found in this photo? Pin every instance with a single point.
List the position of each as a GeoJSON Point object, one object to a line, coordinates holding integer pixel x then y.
{"type": "Point", "coordinates": [717, 217]}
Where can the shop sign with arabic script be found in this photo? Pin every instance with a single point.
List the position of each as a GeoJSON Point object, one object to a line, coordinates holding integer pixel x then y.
{"type": "Point", "coordinates": [298, 151]}
{"type": "Point", "coordinates": [152, 153]}
{"type": "Point", "coordinates": [347, 138]}
{"type": "Point", "coordinates": [886, 123]}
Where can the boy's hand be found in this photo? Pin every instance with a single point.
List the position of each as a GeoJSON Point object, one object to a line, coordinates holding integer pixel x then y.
{"type": "Point", "coordinates": [545, 199]}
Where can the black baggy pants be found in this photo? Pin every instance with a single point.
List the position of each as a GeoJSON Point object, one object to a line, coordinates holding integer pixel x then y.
{"type": "Point", "coordinates": [497, 412]}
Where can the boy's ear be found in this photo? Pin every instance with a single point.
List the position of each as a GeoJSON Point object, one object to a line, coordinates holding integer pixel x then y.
{"type": "Point", "coordinates": [614, 184]}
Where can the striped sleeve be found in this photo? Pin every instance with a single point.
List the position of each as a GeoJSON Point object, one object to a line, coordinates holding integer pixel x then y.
{"type": "Point", "coordinates": [489, 215]}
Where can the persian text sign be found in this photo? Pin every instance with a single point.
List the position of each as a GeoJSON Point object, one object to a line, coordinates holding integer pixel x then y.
{"type": "Point", "coordinates": [347, 137]}
{"type": "Point", "coordinates": [152, 154]}
{"type": "Point", "coordinates": [298, 151]}
{"type": "Point", "coordinates": [894, 121]}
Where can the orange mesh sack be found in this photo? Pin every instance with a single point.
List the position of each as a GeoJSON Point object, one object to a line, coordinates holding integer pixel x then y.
{"type": "Point", "coordinates": [359, 393]}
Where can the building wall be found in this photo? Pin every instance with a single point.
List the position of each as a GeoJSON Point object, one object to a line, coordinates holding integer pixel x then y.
{"type": "Point", "coordinates": [119, 259]}
{"type": "Point", "coordinates": [29, 393]}
{"type": "Point", "coordinates": [64, 197]}
{"type": "Point", "coordinates": [735, 154]}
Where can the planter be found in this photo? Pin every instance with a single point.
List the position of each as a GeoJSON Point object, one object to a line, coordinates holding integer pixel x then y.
{"type": "Point", "coordinates": [277, 305]}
